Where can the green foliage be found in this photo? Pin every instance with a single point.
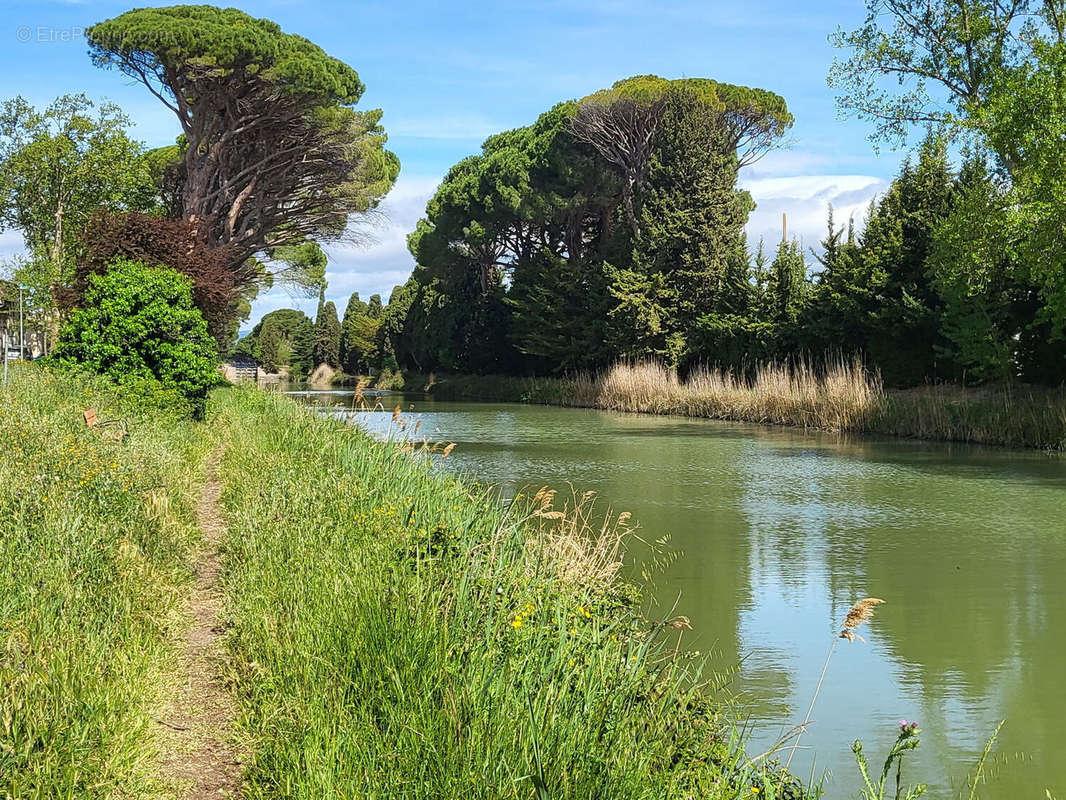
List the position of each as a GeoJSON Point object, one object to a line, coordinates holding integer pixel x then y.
{"type": "Point", "coordinates": [459, 632]}
{"type": "Point", "coordinates": [360, 341]}
{"type": "Point", "coordinates": [559, 314]}
{"type": "Point", "coordinates": [327, 341]}
{"type": "Point", "coordinates": [374, 309]}
{"type": "Point", "coordinates": [273, 350]}
{"type": "Point", "coordinates": [57, 167]}
{"type": "Point", "coordinates": [390, 380]}
{"type": "Point", "coordinates": [845, 295]}
{"type": "Point", "coordinates": [906, 741]}
{"type": "Point", "coordinates": [230, 40]}
{"type": "Point", "coordinates": [934, 288]}
{"type": "Point", "coordinates": [642, 319]}
{"type": "Point", "coordinates": [529, 243]}
{"type": "Point", "coordinates": [140, 323]}
{"type": "Point", "coordinates": [297, 174]}
{"type": "Point", "coordinates": [944, 60]}
{"type": "Point", "coordinates": [576, 241]}
{"type": "Point", "coordinates": [974, 274]}
{"type": "Point", "coordinates": [394, 337]}
{"type": "Point", "coordinates": [97, 535]}
{"type": "Point", "coordinates": [1024, 122]}
{"type": "Point", "coordinates": [304, 267]}
{"type": "Point", "coordinates": [787, 284]}
{"type": "Point", "coordinates": [282, 339]}
{"type": "Point", "coordinates": [691, 215]}
{"type": "Point", "coordinates": [993, 72]}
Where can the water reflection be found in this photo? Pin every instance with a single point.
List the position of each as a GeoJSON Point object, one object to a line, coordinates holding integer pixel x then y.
{"type": "Point", "coordinates": [780, 531]}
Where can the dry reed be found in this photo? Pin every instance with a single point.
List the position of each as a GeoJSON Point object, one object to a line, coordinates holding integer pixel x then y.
{"type": "Point", "coordinates": [842, 396]}
{"type": "Point", "coordinates": [584, 547]}
{"type": "Point", "coordinates": [858, 614]}
{"type": "Point", "coordinates": [861, 612]}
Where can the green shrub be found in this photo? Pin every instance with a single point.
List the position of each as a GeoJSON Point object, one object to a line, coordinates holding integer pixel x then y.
{"type": "Point", "coordinates": [390, 380]}
{"type": "Point", "coordinates": [138, 326]}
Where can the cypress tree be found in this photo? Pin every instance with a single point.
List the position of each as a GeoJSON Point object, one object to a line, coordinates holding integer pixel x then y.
{"type": "Point", "coordinates": [327, 338]}
{"type": "Point", "coordinates": [843, 299]}
{"type": "Point", "coordinates": [904, 335]}
{"type": "Point", "coordinates": [269, 344]}
{"type": "Point", "coordinates": [373, 307]}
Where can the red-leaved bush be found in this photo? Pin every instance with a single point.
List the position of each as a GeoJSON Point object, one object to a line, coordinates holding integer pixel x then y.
{"type": "Point", "coordinates": [216, 280]}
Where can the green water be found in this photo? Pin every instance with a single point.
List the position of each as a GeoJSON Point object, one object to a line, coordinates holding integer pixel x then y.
{"type": "Point", "coordinates": [779, 531]}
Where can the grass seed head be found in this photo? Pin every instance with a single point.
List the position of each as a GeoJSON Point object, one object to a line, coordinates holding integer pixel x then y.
{"type": "Point", "coordinates": [859, 613]}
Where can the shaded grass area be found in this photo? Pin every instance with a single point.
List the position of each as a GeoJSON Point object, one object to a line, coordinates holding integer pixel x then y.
{"type": "Point", "coordinates": [94, 537]}
{"type": "Point", "coordinates": [399, 634]}
{"type": "Point", "coordinates": [844, 397]}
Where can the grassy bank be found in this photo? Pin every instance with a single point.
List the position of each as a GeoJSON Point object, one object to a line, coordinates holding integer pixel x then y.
{"type": "Point", "coordinates": [842, 398]}
{"type": "Point", "coordinates": [95, 535]}
{"type": "Point", "coordinates": [400, 636]}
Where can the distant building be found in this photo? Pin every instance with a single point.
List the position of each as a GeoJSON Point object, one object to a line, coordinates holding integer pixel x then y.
{"type": "Point", "coordinates": [240, 368]}
{"type": "Point", "coordinates": [35, 344]}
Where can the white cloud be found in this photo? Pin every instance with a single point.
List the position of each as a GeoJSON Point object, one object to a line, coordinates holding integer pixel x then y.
{"type": "Point", "coordinates": [805, 200]}
{"type": "Point", "coordinates": [373, 268]}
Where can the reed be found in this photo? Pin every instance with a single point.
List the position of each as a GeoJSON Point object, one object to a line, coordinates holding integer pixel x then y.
{"type": "Point", "coordinates": [860, 613]}
{"type": "Point", "coordinates": [842, 396]}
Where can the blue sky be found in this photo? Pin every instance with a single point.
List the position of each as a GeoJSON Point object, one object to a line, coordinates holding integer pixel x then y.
{"type": "Point", "coordinates": [449, 74]}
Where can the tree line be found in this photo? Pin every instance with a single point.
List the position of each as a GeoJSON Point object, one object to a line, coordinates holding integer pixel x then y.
{"type": "Point", "coordinates": [612, 228]}
{"type": "Point", "coordinates": [273, 159]}
{"type": "Point", "coordinates": [908, 289]}
{"type": "Point", "coordinates": [287, 339]}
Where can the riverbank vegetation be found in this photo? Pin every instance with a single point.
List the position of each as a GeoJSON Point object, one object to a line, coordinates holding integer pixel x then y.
{"type": "Point", "coordinates": [842, 397]}
{"type": "Point", "coordinates": [397, 632]}
{"type": "Point", "coordinates": [93, 565]}
{"type": "Point", "coordinates": [911, 292]}
{"type": "Point", "coordinates": [391, 629]}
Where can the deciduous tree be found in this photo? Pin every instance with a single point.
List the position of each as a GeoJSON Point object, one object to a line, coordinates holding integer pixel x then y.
{"type": "Point", "coordinates": [58, 166]}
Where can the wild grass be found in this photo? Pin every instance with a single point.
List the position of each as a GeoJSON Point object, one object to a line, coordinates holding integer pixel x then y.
{"type": "Point", "coordinates": [843, 396]}
{"type": "Point", "coordinates": [93, 541]}
{"type": "Point", "coordinates": [1019, 416]}
{"type": "Point", "coordinates": [400, 634]}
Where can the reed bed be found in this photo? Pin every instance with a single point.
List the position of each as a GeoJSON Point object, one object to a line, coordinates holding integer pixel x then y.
{"type": "Point", "coordinates": [842, 397]}
{"type": "Point", "coordinates": [1021, 416]}
{"type": "Point", "coordinates": [398, 633]}
{"type": "Point", "coordinates": [94, 536]}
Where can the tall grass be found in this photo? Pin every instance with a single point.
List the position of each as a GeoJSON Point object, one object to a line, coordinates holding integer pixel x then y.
{"type": "Point", "coordinates": [1022, 416]}
{"type": "Point", "coordinates": [93, 541]}
{"type": "Point", "coordinates": [399, 634]}
{"type": "Point", "coordinates": [843, 396]}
